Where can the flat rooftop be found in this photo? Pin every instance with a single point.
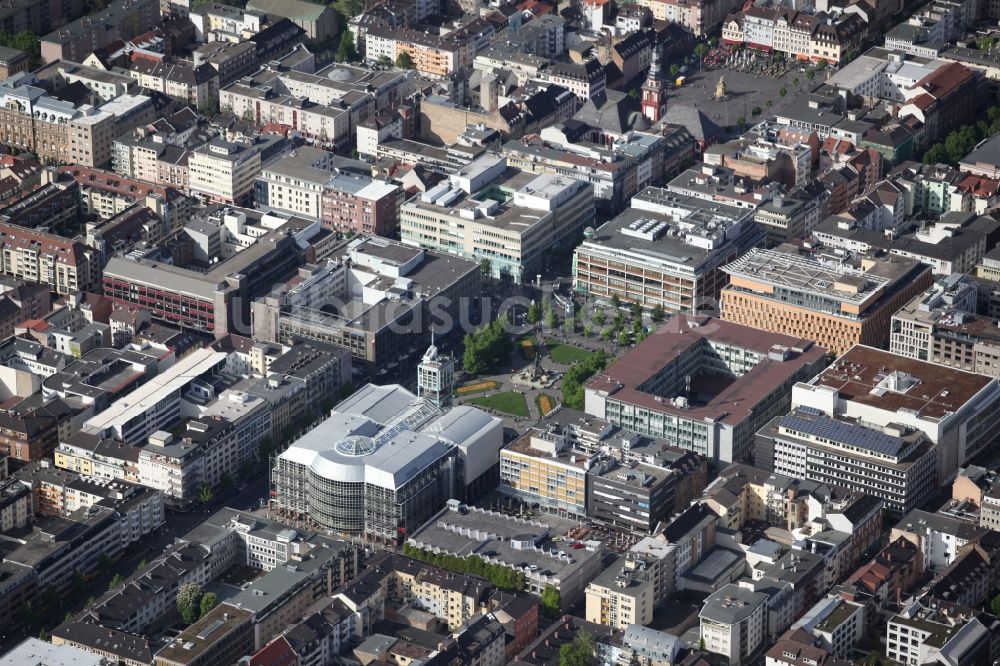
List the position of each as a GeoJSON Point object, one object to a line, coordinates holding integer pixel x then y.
{"type": "Point", "coordinates": [929, 390]}
{"type": "Point", "coordinates": [490, 536]}
{"type": "Point", "coordinates": [805, 274]}
{"type": "Point", "coordinates": [732, 404]}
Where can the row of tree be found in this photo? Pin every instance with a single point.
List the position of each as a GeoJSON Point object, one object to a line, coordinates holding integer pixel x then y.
{"type": "Point", "coordinates": [573, 380]}
{"type": "Point", "coordinates": [958, 144]}
{"type": "Point", "coordinates": [487, 347]}
{"type": "Point", "coordinates": [502, 577]}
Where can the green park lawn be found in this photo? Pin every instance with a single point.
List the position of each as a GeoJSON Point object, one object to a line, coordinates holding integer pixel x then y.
{"type": "Point", "coordinates": [507, 402]}
{"type": "Point", "coordinates": [566, 354]}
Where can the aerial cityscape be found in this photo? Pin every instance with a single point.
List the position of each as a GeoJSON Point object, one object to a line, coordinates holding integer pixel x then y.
{"type": "Point", "coordinates": [488, 332]}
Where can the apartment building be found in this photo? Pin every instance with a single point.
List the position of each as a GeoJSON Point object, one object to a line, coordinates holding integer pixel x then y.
{"type": "Point", "coordinates": [942, 326]}
{"type": "Point", "coordinates": [501, 217]}
{"type": "Point", "coordinates": [622, 595]}
{"type": "Point", "coordinates": [921, 634]}
{"type": "Point", "coordinates": [838, 300]}
{"type": "Point", "coordinates": [76, 40]}
{"type": "Point", "coordinates": [308, 184]}
{"type": "Point", "coordinates": [734, 623]}
{"type": "Point", "coordinates": [64, 265]}
{"type": "Point", "coordinates": [668, 386]}
{"type": "Point", "coordinates": [895, 463]}
{"type": "Point", "coordinates": [959, 415]}
{"type": "Point", "coordinates": [666, 250]}
{"type": "Point", "coordinates": [699, 16]}
{"type": "Point", "coordinates": [435, 56]}
{"type": "Point", "coordinates": [798, 34]}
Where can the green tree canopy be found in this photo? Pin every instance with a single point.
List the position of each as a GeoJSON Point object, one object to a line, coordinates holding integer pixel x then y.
{"type": "Point", "coordinates": [581, 652]}
{"type": "Point", "coordinates": [346, 50]}
{"type": "Point", "coordinates": [551, 602]}
{"type": "Point", "coordinates": [573, 380]}
{"type": "Point", "coordinates": [404, 61]}
{"type": "Point", "coordinates": [189, 602]}
{"type": "Point", "coordinates": [208, 601]}
{"type": "Point", "coordinates": [485, 348]}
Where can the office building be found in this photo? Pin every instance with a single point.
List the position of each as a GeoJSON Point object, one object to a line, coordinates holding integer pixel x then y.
{"type": "Point", "coordinates": [666, 250]}
{"type": "Point", "coordinates": [383, 463]}
{"type": "Point", "coordinates": [838, 300]}
{"type": "Point", "coordinates": [895, 463]}
{"type": "Point", "coordinates": [375, 297]}
{"type": "Point", "coordinates": [958, 411]}
{"type": "Point", "coordinates": [540, 468]}
{"type": "Point", "coordinates": [223, 171]}
{"type": "Point", "coordinates": [500, 217]}
{"type": "Point", "coordinates": [206, 278]}
{"type": "Point", "coordinates": [522, 545]}
{"type": "Point", "coordinates": [683, 384]}
{"type": "Point", "coordinates": [436, 376]}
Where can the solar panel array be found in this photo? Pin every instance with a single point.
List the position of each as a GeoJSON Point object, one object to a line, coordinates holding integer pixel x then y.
{"type": "Point", "coordinates": [845, 433]}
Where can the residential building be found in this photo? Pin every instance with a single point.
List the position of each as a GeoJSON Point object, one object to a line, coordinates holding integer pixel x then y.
{"type": "Point", "coordinates": [923, 635]}
{"type": "Point", "coordinates": [880, 389]}
{"type": "Point", "coordinates": [839, 300]}
{"type": "Point", "coordinates": [665, 251]}
{"type": "Point", "coordinates": [942, 326]}
{"type": "Point", "coordinates": [668, 385]}
{"type": "Point", "coordinates": [622, 595]}
{"type": "Point", "coordinates": [955, 243]}
{"type": "Point", "coordinates": [320, 23]}
{"type": "Point", "coordinates": [36, 651]}
{"type": "Point", "coordinates": [939, 537]}
{"type": "Point", "coordinates": [733, 623]}
{"type": "Point", "coordinates": [500, 217]}
{"type": "Point", "coordinates": [76, 40]}
{"type": "Point", "coordinates": [309, 185]}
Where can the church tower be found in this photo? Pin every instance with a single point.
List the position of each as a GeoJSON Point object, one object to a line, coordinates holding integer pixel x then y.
{"type": "Point", "coordinates": [654, 91]}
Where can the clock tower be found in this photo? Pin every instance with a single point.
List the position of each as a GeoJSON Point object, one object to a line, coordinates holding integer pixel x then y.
{"type": "Point", "coordinates": [654, 91]}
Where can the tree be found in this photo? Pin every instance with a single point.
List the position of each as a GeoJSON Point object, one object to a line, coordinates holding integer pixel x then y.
{"type": "Point", "coordinates": [782, 91]}
{"type": "Point", "coordinates": [587, 331]}
{"type": "Point", "coordinates": [249, 115]}
{"type": "Point", "coordinates": [534, 313]}
{"type": "Point", "coordinates": [209, 107]}
{"type": "Point", "coordinates": [769, 104]}
{"type": "Point", "coordinates": [821, 65]}
{"type": "Point", "coordinates": [346, 50]}
{"type": "Point", "coordinates": [384, 61]}
{"type": "Point", "coordinates": [573, 380]}
{"type": "Point", "coordinates": [700, 50]}
{"type": "Point", "coordinates": [485, 348]}
{"type": "Point", "coordinates": [701, 644]}
{"type": "Point", "coordinates": [551, 602]}
{"type": "Point", "coordinates": [615, 301]}
{"type": "Point", "coordinates": [985, 44]}
{"type": "Point", "coordinates": [485, 266]}
{"type": "Point", "coordinates": [116, 582]}
{"type": "Point", "coordinates": [569, 326]}
{"type": "Point", "coordinates": [657, 314]}
{"type": "Point", "coordinates": [549, 318]}
{"type": "Point", "coordinates": [266, 447]}
{"type": "Point", "coordinates": [675, 70]}
{"type": "Point", "coordinates": [607, 334]}
{"type": "Point", "coordinates": [581, 652]}
{"type": "Point", "coordinates": [755, 111]}
{"type": "Point", "coordinates": [43, 635]}
{"type": "Point", "coordinates": [741, 121]}
{"type": "Point", "coordinates": [205, 493]}
{"type": "Point", "coordinates": [404, 61]}
{"type": "Point", "coordinates": [810, 74]}
{"type": "Point", "coordinates": [623, 338]}
{"type": "Point", "coordinates": [600, 317]}
{"type": "Point", "coordinates": [189, 602]}
{"type": "Point", "coordinates": [995, 605]}
{"type": "Point", "coordinates": [208, 601]}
